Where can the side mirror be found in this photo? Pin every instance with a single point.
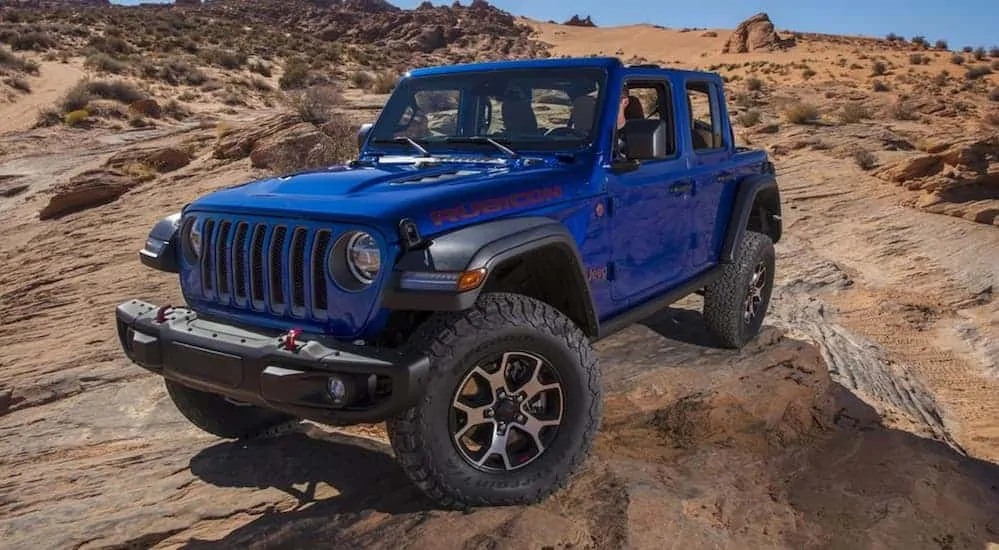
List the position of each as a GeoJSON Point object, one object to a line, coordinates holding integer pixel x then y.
{"type": "Point", "coordinates": [646, 138]}
{"type": "Point", "coordinates": [362, 135]}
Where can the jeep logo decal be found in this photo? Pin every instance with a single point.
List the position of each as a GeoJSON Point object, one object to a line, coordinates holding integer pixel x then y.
{"type": "Point", "coordinates": [491, 206]}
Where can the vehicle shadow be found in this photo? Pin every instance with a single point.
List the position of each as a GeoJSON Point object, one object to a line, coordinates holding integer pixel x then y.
{"type": "Point", "coordinates": [682, 325]}
{"type": "Point", "coordinates": [363, 473]}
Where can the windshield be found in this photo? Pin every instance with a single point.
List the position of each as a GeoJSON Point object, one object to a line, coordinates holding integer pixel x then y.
{"type": "Point", "coordinates": [523, 109]}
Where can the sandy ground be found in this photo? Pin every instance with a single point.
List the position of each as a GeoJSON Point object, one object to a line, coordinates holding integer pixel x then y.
{"type": "Point", "coordinates": [864, 416]}
{"type": "Point", "coordinates": [46, 88]}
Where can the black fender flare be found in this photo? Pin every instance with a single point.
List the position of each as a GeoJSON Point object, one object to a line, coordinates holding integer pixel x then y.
{"type": "Point", "coordinates": [163, 245]}
{"type": "Point", "coordinates": [487, 245]}
{"type": "Point", "coordinates": [761, 191]}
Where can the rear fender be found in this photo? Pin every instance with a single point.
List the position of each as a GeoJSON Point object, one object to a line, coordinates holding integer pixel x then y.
{"type": "Point", "coordinates": [757, 207]}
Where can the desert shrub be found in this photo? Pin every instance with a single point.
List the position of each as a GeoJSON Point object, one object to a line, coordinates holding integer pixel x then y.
{"type": "Point", "coordinates": [296, 73]}
{"type": "Point", "coordinates": [967, 49]}
{"type": "Point", "coordinates": [18, 83]}
{"type": "Point", "coordinates": [754, 84]}
{"type": "Point", "coordinates": [315, 104]}
{"type": "Point", "coordinates": [941, 45]}
{"type": "Point", "coordinates": [384, 82]}
{"type": "Point", "coordinates": [957, 59]}
{"type": "Point", "coordinates": [916, 59]}
{"type": "Point", "coordinates": [80, 95]}
{"type": "Point", "coordinates": [176, 110]}
{"type": "Point", "coordinates": [879, 86]}
{"type": "Point", "coordinates": [74, 118]}
{"type": "Point", "coordinates": [11, 61]}
{"type": "Point", "coordinates": [808, 73]}
{"type": "Point", "coordinates": [980, 53]}
{"type": "Point", "coordinates": [260, 67]}
{"type": "Point", "coordinates": [102, 62]}
{"type": "Point", "coordinates": [977, 72]}
{"type": "Point", "coordinates": [48, 117]}
{"type": "Point", "coordinates": [853, 112]}
{"type": "Point", "coordinates": [879, 68]}
{"type": "Point", "coordinates": [360, 79]}
{"type": "Point", "coordinates": [749, 118]}
{"type": "Point", "coordinates": [801, 113]}
{"type": "Point", "coordinates": [865, 159]}
{"type": "Point", "coordinates": [920, 41]}
{"type": "Point", "coordinates": [38, 41]}
{"type": "Point", "coordinates": [225, 59]}
{"type": "Point", "coordinates": [892, 37]}
{"type": "Point", "coordinates": [900, 110]}
{"type": "Point", "coordinates": [995, 65]}
{"type": "Point", "coordinates": [109, 45]}
{"type": "Point", "coordinates": [994, 94]}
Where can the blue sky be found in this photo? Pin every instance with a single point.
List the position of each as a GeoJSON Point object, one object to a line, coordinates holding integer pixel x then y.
{"type": "Point", "coordinates": [960, 22]}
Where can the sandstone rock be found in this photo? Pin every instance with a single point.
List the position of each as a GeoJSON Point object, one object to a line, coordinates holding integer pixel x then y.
{"type": "Point", "coordinates": [87, 190]}
{"type": "Point", "coordinates": [299, 147]}
{"type": "Point", "coordinates": [755, 33]}
{"type": "Point", "coordinates": [577, 21]}
{"type": "Point", "coordinates": [164, 159]}
{"type": "Point", "coordinates": [146, 107]}
{"type": "Point", "coordinates": [238, 143]}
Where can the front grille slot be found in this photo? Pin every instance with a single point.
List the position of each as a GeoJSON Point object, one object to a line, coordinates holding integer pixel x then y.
{"type": "Point", "coordinates": [319, 299]}
{"type": "Point", "coordinates": [257, 266]}
{"type": "Point", "coordinates": [276, 280]}
{"type": "Point", "coordinates": [239, 253]}
{"type": "Point", "coordinates": [298, 270]}
{"type": "Point", "coordinates": [207, 261]}
{"type": "Point", "coordinates": [222, 261]}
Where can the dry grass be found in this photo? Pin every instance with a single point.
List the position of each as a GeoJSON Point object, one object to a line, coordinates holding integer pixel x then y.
{"type": "Point", "coordinates": [865, 159]}
{"type": "Point", "coordinates": [852, 113]}
{"type": "Point", "coordinates": [801, 113]}
{"type": "Point", "coordinates": [85, 91]}
{"type": "Point", "coordinates": [315, 104]}
{"type": "Point", "coordinates": [749, 118]}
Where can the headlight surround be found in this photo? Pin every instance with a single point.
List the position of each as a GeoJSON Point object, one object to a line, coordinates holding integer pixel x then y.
{"type": "Point", "coordinates": [355, 260]}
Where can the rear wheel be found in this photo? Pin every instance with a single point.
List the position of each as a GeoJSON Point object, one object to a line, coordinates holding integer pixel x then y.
{"type": "Point", "coordinates": [737, 302]}
{"type": "Point", "coordinates": [510, 408]}
{"type": "Point", "coordinates": [217, 416]}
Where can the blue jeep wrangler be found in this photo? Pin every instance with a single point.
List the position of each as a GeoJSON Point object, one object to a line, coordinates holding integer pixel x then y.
{"type": "Point", "coordinates": [498, 219]}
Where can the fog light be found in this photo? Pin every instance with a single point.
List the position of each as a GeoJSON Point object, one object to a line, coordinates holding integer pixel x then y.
{"type": "Point", "coordinates": [340, 391]}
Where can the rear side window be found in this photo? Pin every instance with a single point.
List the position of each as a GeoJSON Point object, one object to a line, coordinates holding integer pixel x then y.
{"type": "Point", "coordinates": [705, 123]}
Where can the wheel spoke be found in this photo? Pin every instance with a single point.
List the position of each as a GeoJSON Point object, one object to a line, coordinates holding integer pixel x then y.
{"type": "Point", "coordinates": [496, 380]}
{"type": "Point", "coordinates": [497, 447]}
{"type": "Point", "coordinates": [534, 386]}
{"type": "Point", "coordinates": [476, 417]}
{"type": "Point", "coordinates": [533, 428]}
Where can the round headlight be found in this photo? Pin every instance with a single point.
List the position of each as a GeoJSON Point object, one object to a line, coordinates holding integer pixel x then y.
{"type": "Point", "coordinates": [194, 239]}
{"type": "Point", "coordinates": [364, 260]}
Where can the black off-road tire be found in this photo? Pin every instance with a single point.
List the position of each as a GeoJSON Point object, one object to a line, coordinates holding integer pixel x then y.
{"type": "Point", "coordinates": [213, 414]}
{"type": "Point", "coordinates": [457, 343]}
{"type": "Point", "coordinates": [725, 300]}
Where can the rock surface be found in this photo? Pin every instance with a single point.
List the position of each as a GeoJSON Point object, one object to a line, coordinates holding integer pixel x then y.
{"type": "Point", "coordinates": [755, 33]}
{"type": "Point", "coordinates": [299, 147]}
{"type": "Point", "coordinates": [960, 179]}
{"type": "Point", "coordinates": [161, 159]}
{"type": "Point", "coordinates": [89, 189]}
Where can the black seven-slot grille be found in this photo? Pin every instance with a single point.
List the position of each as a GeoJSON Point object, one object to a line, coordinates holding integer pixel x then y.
{"type": "Point", "coordinates": [266, 267]}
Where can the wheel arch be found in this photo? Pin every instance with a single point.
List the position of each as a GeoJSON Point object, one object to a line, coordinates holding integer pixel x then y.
{"type": "Point", "coordinates": [757, 207]}
{"type": "Point", "coordinates": [540, 247]}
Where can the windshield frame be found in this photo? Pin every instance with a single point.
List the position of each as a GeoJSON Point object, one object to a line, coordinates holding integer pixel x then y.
{"type": "Point", "coordinates": [378, 139]}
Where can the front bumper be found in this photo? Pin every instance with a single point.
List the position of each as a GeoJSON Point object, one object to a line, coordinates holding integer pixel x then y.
{"type": "Point", "coordinates": [255, 367]}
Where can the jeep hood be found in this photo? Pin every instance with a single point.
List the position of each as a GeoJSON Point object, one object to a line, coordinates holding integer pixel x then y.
{"type": "Point", "coordinates": [382, 194]}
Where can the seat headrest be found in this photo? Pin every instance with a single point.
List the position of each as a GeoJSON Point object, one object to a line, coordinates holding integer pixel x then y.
{"type": "Point", "coordinates": [584, 110]}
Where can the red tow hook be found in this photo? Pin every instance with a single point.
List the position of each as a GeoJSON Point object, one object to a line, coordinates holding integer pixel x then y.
{"type": "Point", "coordinates": [161, 313]}
{"type": "Point", "coordinates": [290, 339]}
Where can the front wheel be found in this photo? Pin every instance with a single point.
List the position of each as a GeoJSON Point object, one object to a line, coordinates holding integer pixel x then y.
{"type": "Point", "coordinates": [510, 409]}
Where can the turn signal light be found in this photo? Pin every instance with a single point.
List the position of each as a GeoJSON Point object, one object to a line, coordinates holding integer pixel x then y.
{"type": "Point", "coordinates": [469, 280]}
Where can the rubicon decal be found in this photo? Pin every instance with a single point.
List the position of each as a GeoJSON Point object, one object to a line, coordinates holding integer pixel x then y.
{"type": "Point", "coordinates": [475, 209]}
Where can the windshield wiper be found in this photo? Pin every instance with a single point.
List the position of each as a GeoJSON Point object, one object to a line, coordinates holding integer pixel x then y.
{"type": "Point", "coordinates": [483, 139]}
{"type": "Point", "coordinates": [407, 140]}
